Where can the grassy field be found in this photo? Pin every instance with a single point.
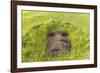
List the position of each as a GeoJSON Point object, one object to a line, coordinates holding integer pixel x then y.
{"type": "Point", "coordinates": [36, 25]}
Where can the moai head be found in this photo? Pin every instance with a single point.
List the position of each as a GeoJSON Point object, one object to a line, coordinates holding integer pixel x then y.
{"type": "Point", "coordinates": [58, 42]}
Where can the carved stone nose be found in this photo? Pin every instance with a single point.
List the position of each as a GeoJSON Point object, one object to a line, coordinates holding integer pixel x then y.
{"type": "Point", "coordinates": [54, 50]}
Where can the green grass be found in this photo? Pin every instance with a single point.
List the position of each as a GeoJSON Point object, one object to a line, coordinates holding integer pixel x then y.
{"type": "Point", "coordinates": [36, 25]}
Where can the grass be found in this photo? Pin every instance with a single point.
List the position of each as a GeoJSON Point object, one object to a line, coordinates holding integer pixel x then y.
{"type": "Point", "coordinates": [36, 25]}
